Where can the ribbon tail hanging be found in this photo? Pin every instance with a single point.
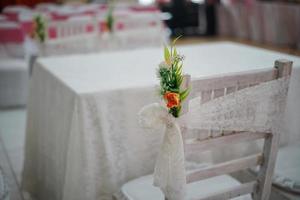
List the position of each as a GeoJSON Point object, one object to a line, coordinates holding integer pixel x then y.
{"type": "Point", "coordinates": [169, 173]}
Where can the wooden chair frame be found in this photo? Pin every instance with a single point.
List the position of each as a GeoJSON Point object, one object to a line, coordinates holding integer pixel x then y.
{"type": "Point", "coordinates": [214, 87]}
{"type": "Point", "coordinates": [72, 37]}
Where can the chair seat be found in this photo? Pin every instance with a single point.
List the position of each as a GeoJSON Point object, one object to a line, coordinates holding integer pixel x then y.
{"type": "Point", "coordinates": [143, 189]}
{"type": "Point", "coordinates": [287, 170]}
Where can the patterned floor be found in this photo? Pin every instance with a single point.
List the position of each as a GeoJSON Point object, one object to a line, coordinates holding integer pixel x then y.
{"type": "Point", "coordinates": [12, 134]}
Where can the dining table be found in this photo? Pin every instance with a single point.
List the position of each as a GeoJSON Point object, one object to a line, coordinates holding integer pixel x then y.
{"type": "Point", "coordinates": [83, 138]}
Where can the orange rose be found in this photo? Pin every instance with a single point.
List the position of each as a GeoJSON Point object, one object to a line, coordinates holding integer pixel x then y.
{"type": "Point", "coordinates": [105, 27]}
{"type": "Point", "coordinates": [32, 31]}
{"type": "Point", "coordinates": [172, 99]}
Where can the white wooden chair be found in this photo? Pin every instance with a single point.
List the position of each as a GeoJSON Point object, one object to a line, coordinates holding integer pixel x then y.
{"type": "Point", "coordinates": [46, 7]}
{"type": "Point", "coordinates": [72, 37]}
{"type": "Point", "coordinates": [11, 47]}
{"type": "Point", "coordinates": [141, 30]}
{"type": "Point", "coordinates": [212, 182]}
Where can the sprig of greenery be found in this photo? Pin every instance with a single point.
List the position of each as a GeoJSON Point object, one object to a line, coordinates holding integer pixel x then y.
{"type": "Point", "coordinates": [171, 76]}
{"type": "Point", "coordinates": [40, 28]}
{"type": "Point", "coordinates": [110, 18]}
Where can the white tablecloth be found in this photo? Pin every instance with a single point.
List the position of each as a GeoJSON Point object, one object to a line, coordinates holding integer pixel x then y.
{"type": "Point", "coordinates": [83, 139]}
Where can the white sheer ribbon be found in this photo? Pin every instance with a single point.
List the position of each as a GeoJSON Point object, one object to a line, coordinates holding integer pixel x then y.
{"type": "Point", "coordinates": [169, 173]}
{"type": "Point", "coordinates": [259, 108]}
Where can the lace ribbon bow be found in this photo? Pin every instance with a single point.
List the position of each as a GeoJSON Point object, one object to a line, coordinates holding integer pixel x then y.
{"type": "Point", "coordinates": [169, 173]}
{"type": "Point", "coordinates": [258, 108]}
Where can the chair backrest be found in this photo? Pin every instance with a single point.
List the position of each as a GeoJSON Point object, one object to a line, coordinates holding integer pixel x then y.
{"type": "Point", "coordinates": [140, 29]}
{"type": "Point", "coordinates": [78, 35]}
{"type": "Point", "coordinates": [75, 26]}
{"type": "Point", "coordinates": [214, 87]}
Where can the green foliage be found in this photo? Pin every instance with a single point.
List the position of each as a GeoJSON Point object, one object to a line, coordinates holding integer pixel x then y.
{"type": "Point", "coordinates": [184, 94]}
{"type": "Point", "coordinates": [175, 40]}
{"type": "Point", "coordinates": [175, 111]}
{"type": "Point", "coordinates": [110, 19]}
{"type": "Point", "coordinates": [171, 76]}
{"type": "Point", "coordinates": [167, 55]}
{"type": "Point", "coordinates": [40, 28]}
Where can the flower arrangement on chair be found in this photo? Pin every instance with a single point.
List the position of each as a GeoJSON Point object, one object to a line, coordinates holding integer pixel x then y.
{"type": "Point", "coordinates": [39, 29]}
{"type": "Point", "coordinates": [171, 78]}
{"type": "Point", "coordinates": [173, 90]}
{"type": "Point", "coordinates": [110, 19]}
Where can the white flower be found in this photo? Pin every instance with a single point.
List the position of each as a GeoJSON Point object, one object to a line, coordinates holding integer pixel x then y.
{"type": "Point", "coordinates": [181, 57]}
{"type": "Point", "coordinates": [164, 65]}
{"type": "Point", "coordinates": [178, 58]}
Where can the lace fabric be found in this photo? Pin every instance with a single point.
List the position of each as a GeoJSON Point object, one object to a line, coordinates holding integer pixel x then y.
{"type": "Point", "coordinates": [258, 109]}
{"type": "Point", "coordinates": [170, 159]}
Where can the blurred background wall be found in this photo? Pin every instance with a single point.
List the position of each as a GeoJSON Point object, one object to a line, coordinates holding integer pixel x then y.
{"type": "Point", "coordinates": [275, 22]}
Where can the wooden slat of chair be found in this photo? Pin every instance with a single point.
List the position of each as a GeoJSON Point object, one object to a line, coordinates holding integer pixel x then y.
{"type": "Point", "coordinates": [284, 69]}
{"type": "Point", "coordinates": [208, 144]}
{"type": "Point", "coordinates": [215, 87]}
{"type": "Point", "coordinates": [71, 37]}
{"type": "Point", "coordinates": [225, 168]}
{"type": "Point", "coordinates": [265, 173]}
